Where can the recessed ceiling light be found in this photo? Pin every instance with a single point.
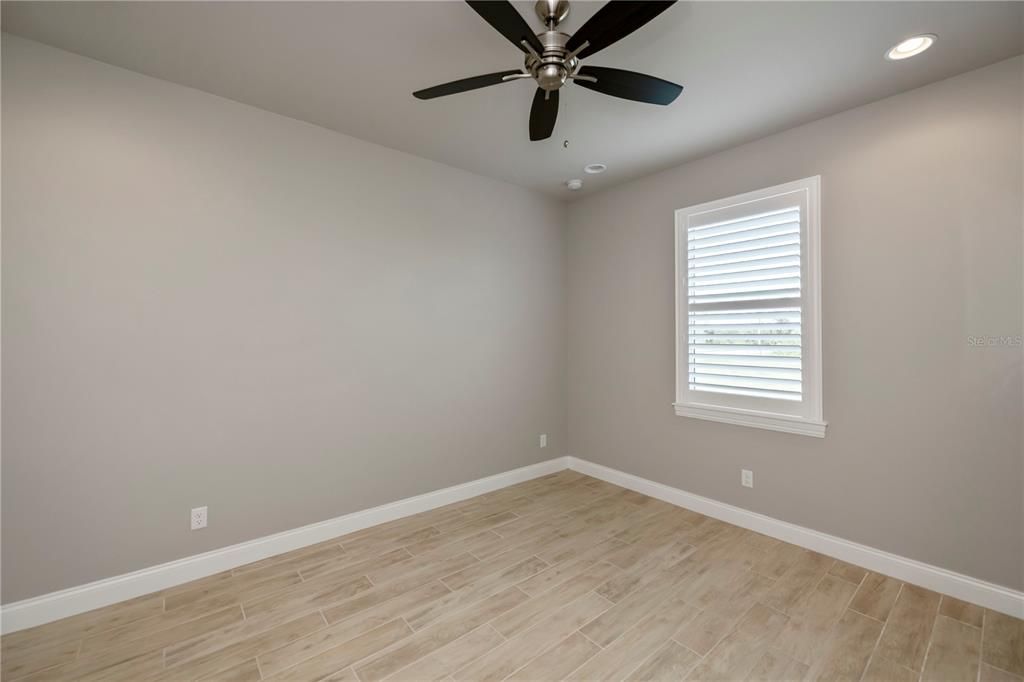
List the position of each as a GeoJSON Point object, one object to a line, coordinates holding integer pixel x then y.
{"type": "Point", "coordinates": [574, 184]}
{"type": "Point", "coordinates": [911, 46]}
{"type": "Point", "coordinates": [595, 168]}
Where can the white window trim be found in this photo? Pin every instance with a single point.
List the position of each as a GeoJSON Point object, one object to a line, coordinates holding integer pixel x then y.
{"type": "Point", "coordinates": [811, 422]}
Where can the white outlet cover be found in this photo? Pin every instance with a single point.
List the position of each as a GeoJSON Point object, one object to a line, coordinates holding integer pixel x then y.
{"type": "Point", "coordinates": [198, 518]}
{"type": "Point", "coordinates": [543, 440]}
{"type": "Point", "coordinates": [747, 478]}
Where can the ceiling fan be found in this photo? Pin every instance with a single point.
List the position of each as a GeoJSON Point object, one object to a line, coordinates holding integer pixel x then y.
{"type": "Point", "coordinates": [553, 58]}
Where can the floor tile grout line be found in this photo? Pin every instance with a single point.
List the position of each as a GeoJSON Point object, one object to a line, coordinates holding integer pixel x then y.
{"type": "Point", "coordinates": [981, 645]}
{"type": "Point", "coordinates": [1003, 670]}
{"type": "Point", "coordinates": [861, 613]}
{"type": "Point", "coordinates": [931, 638]}
{"type": "Point", "coordinates": [881, 633]}
{"type": "Point", "coordinates": [673, 638]}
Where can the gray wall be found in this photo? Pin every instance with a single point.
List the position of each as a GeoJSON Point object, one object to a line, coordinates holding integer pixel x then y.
{"type": "Point", "coordinates": [921, 232]}
{"type": "Point", "coordinates": [205, 303]}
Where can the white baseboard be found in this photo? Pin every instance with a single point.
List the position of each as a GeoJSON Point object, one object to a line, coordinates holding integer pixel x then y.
{"type": "Point", "coordinates": [990, 595]}
{"type": "Point", "coordinates": [57, 605]}
{"type": "Point", "coordinates": [74, 600]}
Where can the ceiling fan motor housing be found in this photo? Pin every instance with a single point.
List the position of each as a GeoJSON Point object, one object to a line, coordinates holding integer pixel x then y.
{"type": "Point", "coordinates": [553, 67]}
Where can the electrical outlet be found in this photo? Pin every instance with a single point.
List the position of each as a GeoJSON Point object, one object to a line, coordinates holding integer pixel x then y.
{"type": "Point", "coordinates": [543, 440]}
{"type": "Point", "coordinates": [747, 478]}
{"type": "Point", "coordinates": [198, 518]}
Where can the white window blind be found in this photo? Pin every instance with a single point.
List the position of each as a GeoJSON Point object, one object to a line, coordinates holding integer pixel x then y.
{"type": "Point", "coordinates": [745, 308]}
{"type": "Point", "coordinates": [744, 313]}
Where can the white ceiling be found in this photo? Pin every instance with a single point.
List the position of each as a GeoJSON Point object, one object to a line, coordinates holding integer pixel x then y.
{"type": "Point", "coordinates": [749, 69]}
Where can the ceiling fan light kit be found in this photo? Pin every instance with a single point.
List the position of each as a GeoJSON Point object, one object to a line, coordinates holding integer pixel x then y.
{"type": "Point", "coordinates": [552, 58]}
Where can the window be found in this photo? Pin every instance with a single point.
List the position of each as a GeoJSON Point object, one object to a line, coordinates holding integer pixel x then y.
{"type": "Point", "coordinates": [748, 321]}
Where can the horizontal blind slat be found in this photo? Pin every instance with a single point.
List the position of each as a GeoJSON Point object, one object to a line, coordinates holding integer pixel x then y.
{"type": "Point", "coordinates": [763, 361]}
{"type": "Point", "coordinates": [700, 369]}
{"type": "Point", "coordinates": [752, 265]}
{"type": "Point", "coordinates": [696, 255]}
{"type": "Point", "coordinates": [747, 382]}
{"type": "Point", "coordinates": [734, 236]}
{"type": "Point", "coordinates": [754, 393]}
{"type": "Point", "coordinates": [744, 276]}
{"type": "Point", "coordinates": [756, 286]}
{"type": "Point", "coordinates": [744, 327]}
{"type": "Point", "coordinates": [770, 294]}
{"type": "Point", "coordinates": [747, 256]}
{"type": "Point", "coordinates": [746, 223]}
{"type": "Point", "coordinates": [790, 339]}
{"type": "Point", "coordinates": [738, 349]}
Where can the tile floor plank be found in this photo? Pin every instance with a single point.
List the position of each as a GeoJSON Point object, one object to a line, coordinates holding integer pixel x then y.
{"type": "Point", "coordinates": [876, 596]}
{"type": "Point", "coordinates": [883, 670]}
{"type": "Point", "coordinates": [846, 653]}
{"type": "Point", "coordinates": [812, 619]}
{"type": "Point", "coordinates": [442, 633]}
{"type": "Point", "coordinates": [440, 664]}
{"type": "Point", "coordinates": [735, 657]}
{"type": "Point", "coordinates": [669, 663]}
{"type": "Point", "coordinates": [777, 666]}
{"type": "Point", "coordinates": [908, 629]}
{"type": "Point", "coordinates": [509, 656]}
{"type": "Point", "coordinates": [954, 652]}
{"type": "Point", "coordinates": [559, 661]}
{"type": "Point", "coordinates": [206, 656]}
{"type": "Point", "coordinates": [962, 611]}
{"type": "Point", "coordinates": [1004, 642]}
{"type": "Point", "coordinates": [626, 653]}
{"type": "Point", "coordinates": [326, 661]}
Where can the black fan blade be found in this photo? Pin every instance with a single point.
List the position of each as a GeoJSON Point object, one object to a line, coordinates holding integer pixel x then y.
{"type": "Point", "coordinates": [463, 85]}
{"type": "Point", "coordinates": [543, 114]}
{"type": "Point", "coordinates": [613, 22]}
{"type": "Point", "coordinates": [629, 85]}
{"type": "Point", "coordinates": [507, 21]}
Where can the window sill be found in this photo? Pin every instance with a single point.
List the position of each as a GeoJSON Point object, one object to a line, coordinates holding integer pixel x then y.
{"type": "Point", "coordinates": [760, 420]}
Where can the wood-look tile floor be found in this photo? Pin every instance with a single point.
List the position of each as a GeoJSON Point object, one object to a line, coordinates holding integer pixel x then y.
{"type": "Point", "coordinates": [561, 577]}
